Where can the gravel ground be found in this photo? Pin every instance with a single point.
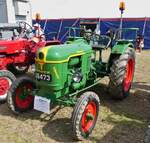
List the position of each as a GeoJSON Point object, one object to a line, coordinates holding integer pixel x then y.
{"type": "Point", "coordinates": [119, 121]}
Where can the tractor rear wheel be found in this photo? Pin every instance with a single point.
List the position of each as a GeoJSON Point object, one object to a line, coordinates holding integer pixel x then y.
{"type": "Point", "coordinates": [85, 115]}
{"type": "Point", "coordinates": [6, 79]}
{"type": "Point", "coordinates": [121, 76]}
{"type": "Point", "coordinates": [20, 98]}
{"type": "Point", "coordinates": [17, 70]}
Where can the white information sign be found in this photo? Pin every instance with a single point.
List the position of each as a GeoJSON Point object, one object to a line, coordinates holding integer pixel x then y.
{"type": "Point", "coordinates": [42, 104]}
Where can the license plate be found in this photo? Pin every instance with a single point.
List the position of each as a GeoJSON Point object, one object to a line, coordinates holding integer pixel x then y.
{"type": "Point", "coordinates": [41, 76]}
{"type": "Point", "coordinates": [42, 104]}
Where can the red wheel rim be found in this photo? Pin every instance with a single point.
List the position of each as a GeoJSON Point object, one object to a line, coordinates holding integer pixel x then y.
{"type": "Point", "coordinates": [129, 74]}
{"type": "Point", "coordinates": [27, 100]}
{"type": "Point", "coordinates": [88, 117]}
{"type": "Point", "coordinates": [4, 85]}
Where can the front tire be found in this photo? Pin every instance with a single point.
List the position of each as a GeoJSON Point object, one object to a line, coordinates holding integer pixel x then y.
{"type": "Point", "coordinates": [17, 70]}
{"type": "Point", "coordinates": [20, 98]}
{"type": "Point", "coordinates": [121, 76]}
{"type": "Point", "coordinates": [6, 79]}
{"type": "Point", "coordinates": [85, 115]}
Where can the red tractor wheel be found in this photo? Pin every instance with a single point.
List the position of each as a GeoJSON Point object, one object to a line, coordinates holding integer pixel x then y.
{"type": "Point", "coordinates": [88, 116]}
{"type": "Point", "coordinates": [85, 115]}
{"type": "Point", "coordinates": [121, 76]}
{"type": "Point", "coordinates": [129, 74]}
{"type": "Point", "coordinates": [6, 79]}
{"type": "Point", "coordinates": [23, 96]}
{"type": "Point", "coordinates": [20, 98]}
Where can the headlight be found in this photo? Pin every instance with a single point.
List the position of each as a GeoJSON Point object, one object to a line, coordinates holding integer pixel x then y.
{"type": "Point", "coordinates": [77, 77]}
{"type": "Point", "coordinates": [41, 56]}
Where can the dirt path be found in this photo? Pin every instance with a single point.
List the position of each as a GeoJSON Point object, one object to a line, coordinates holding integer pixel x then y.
{"type": "Point", "coordinates": [119, 121]}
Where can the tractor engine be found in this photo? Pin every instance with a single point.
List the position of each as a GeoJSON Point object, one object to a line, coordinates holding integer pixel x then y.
{"type": "Point", "coordinates": [62, 69]}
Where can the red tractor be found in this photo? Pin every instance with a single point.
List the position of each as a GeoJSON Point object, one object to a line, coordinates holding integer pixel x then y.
{"type": "Point", "coordinates": [17, 52]}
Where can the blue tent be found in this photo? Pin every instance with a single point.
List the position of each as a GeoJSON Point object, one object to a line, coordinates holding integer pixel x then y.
{"type": "Point", "coordinates": [59, 26]}
{"type": "Point", "coordinates": [142, 23]}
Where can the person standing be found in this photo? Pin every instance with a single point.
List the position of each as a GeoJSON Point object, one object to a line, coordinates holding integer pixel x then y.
{"type": "Point", "coordinates": [39, 33]}
{"type": "Point", "coordinates": [139, 43]}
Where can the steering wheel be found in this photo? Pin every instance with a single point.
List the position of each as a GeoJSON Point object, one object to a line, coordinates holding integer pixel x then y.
{"type": "Point", "coordinates": [25, 25]}
{"type": "Point", "coordinates": [96, 39]}
{"type": "Point", "coordinates": [26, 29]}
{"type": "Point", "coordinates": [87, 36]}
{"type": "Point", "coordinates": [104, 41]}
{"type": "Point", "coordinates": [91, 37]}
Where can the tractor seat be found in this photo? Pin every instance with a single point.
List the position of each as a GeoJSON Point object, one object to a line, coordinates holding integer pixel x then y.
{"type": "Point", "coordinates": [98, 46]}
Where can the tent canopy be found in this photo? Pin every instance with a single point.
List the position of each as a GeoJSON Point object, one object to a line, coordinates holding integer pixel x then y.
{"type": "Point", "coordinates": [59, 26]}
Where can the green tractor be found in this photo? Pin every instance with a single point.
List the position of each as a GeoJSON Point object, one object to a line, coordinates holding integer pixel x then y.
{"type": "Point", "coordinates": [65, 73]}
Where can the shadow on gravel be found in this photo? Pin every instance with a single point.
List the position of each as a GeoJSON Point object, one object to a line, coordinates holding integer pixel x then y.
{"type": "Point", "coordinates": [5, 111]}
{"type": "Point", "coordinates": [59, 130]}
{"type": "Point", "coordinates": [123, 132]}
{"type": "Point", "coordinates": [131, 126]}
{"type": "Point", "coordinates": [32, 114]}
{"type": "Point", "coordinates": [142, 86]}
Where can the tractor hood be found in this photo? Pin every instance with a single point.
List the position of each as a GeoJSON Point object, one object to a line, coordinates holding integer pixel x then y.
{"type": "Point", "coordinates": [62, 53]}
{"type": "Point", "coordinates": [12, 46]}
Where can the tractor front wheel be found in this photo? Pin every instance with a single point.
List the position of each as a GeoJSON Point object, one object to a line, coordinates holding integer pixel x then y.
{"type": "Point", "coordinates": [121, 76]}
{"type": "Point", "coordinates": [85, 115]}
{"type": "Point", "coordinates": [6, 79]}
{"type": "Point", "coordinates": [20, 98]}
{"type": "Point", "coordinates": [18, 69]}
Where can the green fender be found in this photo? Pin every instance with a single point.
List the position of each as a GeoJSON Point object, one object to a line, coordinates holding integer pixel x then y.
{"type": "Point", "coordinates": [120, 47]}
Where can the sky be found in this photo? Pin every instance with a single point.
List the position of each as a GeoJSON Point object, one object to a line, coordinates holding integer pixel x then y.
{"type": "Point", "coordinates": [89, 8]}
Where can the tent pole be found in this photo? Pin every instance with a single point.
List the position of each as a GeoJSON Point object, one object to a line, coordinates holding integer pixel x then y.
{"type": "Point", "coordinates": [99, 24]}
{"type": "Point", "coordinates": [45, 25]}
{"type": "Point", "coordinates": [121, 23]}
{"type": "Point", "coordinates": [144, 26]}
{"type": "Point", "coordinates": [59, 29]}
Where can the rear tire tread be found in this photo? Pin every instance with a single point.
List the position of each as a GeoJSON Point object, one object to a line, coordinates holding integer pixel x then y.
{"type": "Point", "coordinates": [117, 75]}
{"type": "Point", "coordinates": [78, 112]}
